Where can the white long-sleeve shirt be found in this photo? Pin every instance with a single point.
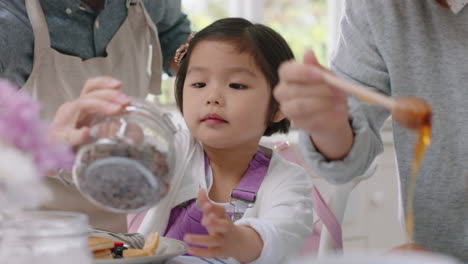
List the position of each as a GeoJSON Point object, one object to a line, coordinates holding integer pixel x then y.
{"type": "Point", "coordinates": [282, 214]}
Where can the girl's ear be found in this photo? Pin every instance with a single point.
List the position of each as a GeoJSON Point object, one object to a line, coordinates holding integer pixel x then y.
{"type": "Point", "coordinates": [278, 116]}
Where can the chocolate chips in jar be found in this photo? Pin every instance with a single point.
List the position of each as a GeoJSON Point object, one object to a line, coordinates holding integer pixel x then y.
{"type": "Point", "coordinates": [123, 177]}
{"type": "Point", "coordinates": [127, 164]}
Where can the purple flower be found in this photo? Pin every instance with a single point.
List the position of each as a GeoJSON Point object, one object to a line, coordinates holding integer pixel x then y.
{"type": "Point", "coordinates": [21, 127]}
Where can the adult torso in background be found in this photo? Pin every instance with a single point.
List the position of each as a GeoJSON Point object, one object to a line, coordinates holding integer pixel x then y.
{"type": "Point", "coordinates": [81, 44]}
{"type": "Point", "coordinates": [418, 48]}
{"type": "Point", "coordinates": [74, 32]}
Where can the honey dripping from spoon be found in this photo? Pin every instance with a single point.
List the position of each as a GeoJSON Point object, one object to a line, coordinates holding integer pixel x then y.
{"type": "Point", "coordinates": [422, 143]}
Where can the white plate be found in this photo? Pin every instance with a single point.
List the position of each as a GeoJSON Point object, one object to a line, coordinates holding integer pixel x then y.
{"type": "Point", "coordinates": [167, 249]}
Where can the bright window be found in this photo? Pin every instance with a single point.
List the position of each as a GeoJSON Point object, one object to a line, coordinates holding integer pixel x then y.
{"type": "Point", "coordinates": [201, 13]}
{"type": "Point", "coordinates": [303, 23]}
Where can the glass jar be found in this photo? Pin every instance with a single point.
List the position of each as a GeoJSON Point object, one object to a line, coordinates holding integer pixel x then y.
{"type": "Point", "coordinates": [44, 237]}
{"type": "Point", "coordinates": [126, 167]}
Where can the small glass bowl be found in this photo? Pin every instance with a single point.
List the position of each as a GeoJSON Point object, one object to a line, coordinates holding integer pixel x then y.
{"type": "Point", "coordinates": [127, 165]}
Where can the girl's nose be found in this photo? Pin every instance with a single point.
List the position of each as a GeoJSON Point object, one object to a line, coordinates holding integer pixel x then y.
{"type": "Point", "coordinates": [212, 101]}
{"type": "Point", "coordinates": [214, 97]}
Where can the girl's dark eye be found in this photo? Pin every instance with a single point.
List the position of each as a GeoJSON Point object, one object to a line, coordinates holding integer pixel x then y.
{"type": "Point", "coordinates": [199, 85]}
{"type": "Point", "coordinates": [237, 86]}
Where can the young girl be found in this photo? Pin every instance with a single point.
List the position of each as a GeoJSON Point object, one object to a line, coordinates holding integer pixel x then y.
{"type": "Point", "coordinates": [257, 207]}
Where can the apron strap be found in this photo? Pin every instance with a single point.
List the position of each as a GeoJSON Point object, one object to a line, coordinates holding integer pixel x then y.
{"type": "Point", "coordinates": [39, 26]}
{"type": "Point", "coordinates": [247, 189]}
{"type": "Point", "coordinates": [253, 178]}
{"type": "Point", "coordinates": [156, 55]}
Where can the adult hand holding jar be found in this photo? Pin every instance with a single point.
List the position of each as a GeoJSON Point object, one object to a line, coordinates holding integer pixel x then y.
{"type": "Point", "coordinates": [100, 95]}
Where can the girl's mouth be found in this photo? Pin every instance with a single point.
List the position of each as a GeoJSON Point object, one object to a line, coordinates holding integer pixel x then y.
{"type": "Point", "coordinates": [213, 119]}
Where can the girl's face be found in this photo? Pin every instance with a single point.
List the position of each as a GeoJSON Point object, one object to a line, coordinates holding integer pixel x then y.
{"type": "Point", "coordinates": [225, 96]}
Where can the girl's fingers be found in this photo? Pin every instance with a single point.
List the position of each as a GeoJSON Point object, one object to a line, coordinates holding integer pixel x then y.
{"type": "Point", "coordinates": [103, 82]}
{"type": "Point", "coordinates": [203, 240]}
{"type": "Point", "coordinates": [208, 207]}
{"type": "Point", "coordinates": [206, 252]}
{"type": "Point", "coordinates": [202, 197]}
{"type": "Point", "coordinates": [215, 224]}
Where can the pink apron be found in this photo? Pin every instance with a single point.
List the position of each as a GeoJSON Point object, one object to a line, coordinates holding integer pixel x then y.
{"type": "Point", "coordinates": [186, 218]}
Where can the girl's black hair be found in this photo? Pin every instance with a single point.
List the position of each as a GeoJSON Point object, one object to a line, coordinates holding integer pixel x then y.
{"type": "Point", "coordinates": [265, 45]}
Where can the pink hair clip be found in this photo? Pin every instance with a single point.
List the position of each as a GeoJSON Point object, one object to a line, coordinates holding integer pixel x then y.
{"type": "Point", "coordinates": [182, 50]}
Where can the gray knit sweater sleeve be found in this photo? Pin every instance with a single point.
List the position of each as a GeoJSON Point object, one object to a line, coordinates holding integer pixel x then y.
{"type": "Point", "coordinates": [410, 48]}
{"type": "Point", "coordinates": [357, 59]}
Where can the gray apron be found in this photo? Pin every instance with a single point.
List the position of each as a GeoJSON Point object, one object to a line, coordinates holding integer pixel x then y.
{"type": "Point", "coordinates": [133, 57]}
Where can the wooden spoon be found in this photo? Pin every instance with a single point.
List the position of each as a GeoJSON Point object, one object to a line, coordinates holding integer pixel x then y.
{"type": "Point", "coordinates": [410, 112]}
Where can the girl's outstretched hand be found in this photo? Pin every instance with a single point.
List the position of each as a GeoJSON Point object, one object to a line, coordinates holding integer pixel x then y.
{"type": "Point", "coordinates": [224, 239]}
